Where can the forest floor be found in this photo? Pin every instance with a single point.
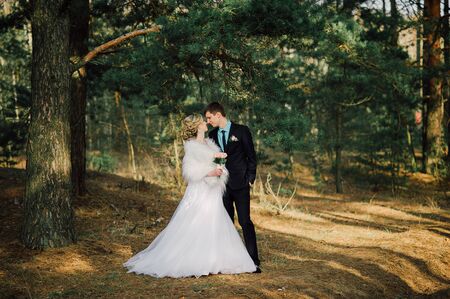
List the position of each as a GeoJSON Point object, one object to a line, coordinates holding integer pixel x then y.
{"type": "Point", "coordinates": [362, 244]}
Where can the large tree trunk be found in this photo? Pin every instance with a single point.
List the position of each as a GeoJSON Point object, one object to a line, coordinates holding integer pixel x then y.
{"type": "Point", "coordinates": [338, 150]}
{"type": "Point", "coordinates": [446, 35]}
{"type": "Point", "coordinates": [48, 213]}
{"type": "Point", "coordinates": [419, 62]}
{"type": "Point", "coordinates": [419, 39]}
{"type": "Point", "coordinates": [79, 33]}
{"type": "Point", "coordinates": [433, 91]}
{"type": "Point", "coordinates": [425, 90]}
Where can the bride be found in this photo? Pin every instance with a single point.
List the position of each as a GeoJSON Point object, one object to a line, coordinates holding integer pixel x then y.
{"type": "Point", "coordinates": [200, 238]}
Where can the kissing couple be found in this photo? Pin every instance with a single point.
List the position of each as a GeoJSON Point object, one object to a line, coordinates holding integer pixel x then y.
{"type": "Point", "coordinates": [201, 238]}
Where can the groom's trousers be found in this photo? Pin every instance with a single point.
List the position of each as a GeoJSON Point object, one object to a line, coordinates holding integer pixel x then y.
{"type": "Point", "coordinates": [241, 199]}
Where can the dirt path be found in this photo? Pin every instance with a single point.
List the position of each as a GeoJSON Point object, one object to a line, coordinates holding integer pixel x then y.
{"type": "Point", "coordinates": [326, 246]}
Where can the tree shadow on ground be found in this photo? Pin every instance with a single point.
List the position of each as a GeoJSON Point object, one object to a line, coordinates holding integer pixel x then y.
{"type": "Point", "coordinates": [336, 271]}
{"type": "Point", "coordinates": [338, 219]}
{"type": "Point", "coordinates": [114, 222]}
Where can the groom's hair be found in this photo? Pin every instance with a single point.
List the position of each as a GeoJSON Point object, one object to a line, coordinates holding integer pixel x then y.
{"type": "Point", "coordinates": [215, 107]}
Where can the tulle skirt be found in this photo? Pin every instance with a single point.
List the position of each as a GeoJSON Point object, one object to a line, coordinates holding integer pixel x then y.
{"type": "Point", "coordinates": [200, 239]}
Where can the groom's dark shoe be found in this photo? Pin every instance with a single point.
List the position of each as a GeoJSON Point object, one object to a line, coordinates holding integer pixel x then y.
{"type": "Point", "coordinates": [258, 270]}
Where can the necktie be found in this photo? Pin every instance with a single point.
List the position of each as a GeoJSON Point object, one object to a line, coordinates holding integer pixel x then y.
{"type": "Point", "coordinates": [223, 140]}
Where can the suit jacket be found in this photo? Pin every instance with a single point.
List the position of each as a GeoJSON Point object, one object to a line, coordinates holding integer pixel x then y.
{"type": "Point", "coordinates": [241, 160]}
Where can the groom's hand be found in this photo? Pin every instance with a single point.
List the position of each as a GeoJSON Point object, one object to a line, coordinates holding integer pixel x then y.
{"type": "Point", "coordinates": [250, 179]}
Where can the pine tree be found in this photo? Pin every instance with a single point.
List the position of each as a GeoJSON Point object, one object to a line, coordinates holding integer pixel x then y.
{"type": "Point", "coordinates": [433, 151]}
{"type": "Point", "coordinates": [48, 212]}
{"type": "Point", "coordinates": [79, 33]}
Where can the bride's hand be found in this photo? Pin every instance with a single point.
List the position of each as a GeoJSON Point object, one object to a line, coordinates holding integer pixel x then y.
{"type": "Point", "coordinates": [216, 172]}
{"type": "Point", "coordinates": [220, 155]}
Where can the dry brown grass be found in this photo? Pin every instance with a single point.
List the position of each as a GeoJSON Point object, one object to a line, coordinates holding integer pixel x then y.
{"type": "Point", "coordinates": [359, 245]}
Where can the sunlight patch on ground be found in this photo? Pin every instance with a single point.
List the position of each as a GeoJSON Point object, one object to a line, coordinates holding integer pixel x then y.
{"type": "Point", "coordinates": [74, 263]}
{"type": "Point", "coordinates": [312, 194]}
{"type": "Point", "coordinates": [419, 259]}
{"type": "Point", "coordinates": [333, 264]}
{"type": "Point", "coordinates": [352, 216]}
{"type": "Point", "coordinates": [124, 250]}
{"type": "Point", "coordinates": [384, 212]}
{"type": "Point", "coordinates": [433, 251]}
{"type": "Point", "coordinates": [328, 231]}
{"type": "Point", "coordinates": [416, 276]}
{"type": "Point", "coordinates": [353, 271]}
{"type": "Point", "coordinates": [304, 216]}
{"type": "Point", "coordinates": [422, 178]}
{"type": "Point", "coordinates": [296, 214]}
{"type": "Point", "coordinates": [61, 261]}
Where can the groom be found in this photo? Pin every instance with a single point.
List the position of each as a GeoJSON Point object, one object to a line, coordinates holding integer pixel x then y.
{"type": "Point", "coordinates": [236, 141]}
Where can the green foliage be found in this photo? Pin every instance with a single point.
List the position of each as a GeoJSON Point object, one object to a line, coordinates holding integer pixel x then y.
{"type": "Point", "coordinates": [101, 162]}
{"type": "Point", "coordinates": [15, 96]}
{"type": "Point", "coordinates": [283, 67]}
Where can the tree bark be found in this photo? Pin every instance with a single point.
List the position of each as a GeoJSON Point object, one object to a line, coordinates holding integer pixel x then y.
{"type": "Point", "coordinates": [79, 34]}
{"type": "Point", "coordinates": [446, 35]}
{"type": "Point", "coordinates": [433, 95]}
{"type": "Point", "coordinates": [338, 149]}
{"type": "Point", "coordinates": [48, 213]}
{"type": "Point", "coordinates": [419, 40]}
{"type": "Point", "coordinates": [419, 61]}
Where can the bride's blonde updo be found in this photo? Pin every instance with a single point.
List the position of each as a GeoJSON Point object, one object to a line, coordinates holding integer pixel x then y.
{"type": "Point", "coordinates": [190, 125]}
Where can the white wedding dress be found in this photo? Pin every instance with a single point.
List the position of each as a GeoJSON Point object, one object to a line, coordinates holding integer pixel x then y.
{"type": "Point", "coordinates": [200, 238]}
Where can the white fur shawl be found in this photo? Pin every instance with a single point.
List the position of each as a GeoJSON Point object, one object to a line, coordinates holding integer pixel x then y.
{"type": "Point", "coordinates": [198, 161]}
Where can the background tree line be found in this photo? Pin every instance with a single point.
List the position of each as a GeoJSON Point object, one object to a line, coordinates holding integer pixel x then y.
{"type": "Point", "coordinates": [329, 82]}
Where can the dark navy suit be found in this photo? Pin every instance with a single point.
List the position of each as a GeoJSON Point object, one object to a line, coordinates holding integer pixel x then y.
{"type": "Point", "coordinates": [241, 164]}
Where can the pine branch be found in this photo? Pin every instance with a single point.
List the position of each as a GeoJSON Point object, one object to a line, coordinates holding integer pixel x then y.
{"type": "Point", "coordinates": [366, 99]}
{"type": "Point", "coordinates": [111, 44]}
